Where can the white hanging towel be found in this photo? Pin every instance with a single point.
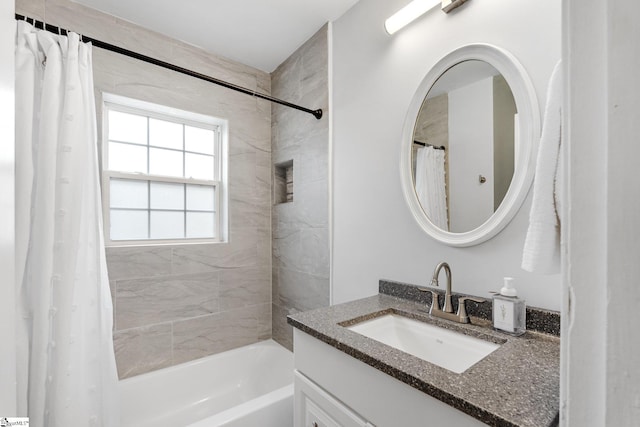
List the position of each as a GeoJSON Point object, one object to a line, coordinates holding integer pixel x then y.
{"type": "Point", "coordinates": [430, 185]}
{"type": "Point", "coordinates": [541, 251]}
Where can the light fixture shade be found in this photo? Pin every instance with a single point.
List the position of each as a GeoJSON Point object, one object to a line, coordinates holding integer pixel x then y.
{"type": "Point", "coordinates": [408, 13]}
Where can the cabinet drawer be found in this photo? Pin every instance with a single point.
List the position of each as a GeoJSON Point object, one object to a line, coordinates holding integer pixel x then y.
{"type": "Point", "coordinates": [314, 407]}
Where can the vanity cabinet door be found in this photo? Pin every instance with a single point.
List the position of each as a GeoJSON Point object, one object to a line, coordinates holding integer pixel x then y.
{"type": "Point", "coordinates": [314, 416]}
{"type": "Point", "coordinates": [314, 407]}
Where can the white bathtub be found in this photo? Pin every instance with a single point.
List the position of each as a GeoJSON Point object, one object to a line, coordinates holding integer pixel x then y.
{"type": "Point", "coordinates": [245, 387]}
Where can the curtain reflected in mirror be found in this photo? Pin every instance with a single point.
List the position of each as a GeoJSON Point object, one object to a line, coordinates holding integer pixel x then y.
{"type": "Point", "coordinates": [430, 184]}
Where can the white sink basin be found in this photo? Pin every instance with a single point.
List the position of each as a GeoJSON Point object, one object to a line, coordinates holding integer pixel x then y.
{"type": "Point", "coordinates": [448, 349]}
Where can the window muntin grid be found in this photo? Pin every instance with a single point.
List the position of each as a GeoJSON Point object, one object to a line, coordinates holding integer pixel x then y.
{"type": "Point", "coordinates": [146, 149]}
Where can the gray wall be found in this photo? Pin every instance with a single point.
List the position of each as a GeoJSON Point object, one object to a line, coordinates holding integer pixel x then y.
{"type": "Point", "coordinates": [374, 78]}
{"type": "Point", "coordinates": [301, 227]}
{"type": "Point", "coordinates": [504, 109]}
{"type": "Point", "coordinates": [177, 303]}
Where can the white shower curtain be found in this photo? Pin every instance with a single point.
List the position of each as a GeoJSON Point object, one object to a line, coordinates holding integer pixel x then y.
{"type": "Point", "coordinates": [431, 186]}
{"type": "Point", "coordinates": [66, 368]}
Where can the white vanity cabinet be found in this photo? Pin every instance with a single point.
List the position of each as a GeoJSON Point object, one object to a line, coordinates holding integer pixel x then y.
{"type": "Point", "coordinates": [333, 389]}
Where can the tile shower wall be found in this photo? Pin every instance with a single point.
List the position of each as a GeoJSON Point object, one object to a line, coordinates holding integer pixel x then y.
{"type": "Point", "coordinates": [300, 227]}
{"type": "Point", "coordinates": [178, 303]}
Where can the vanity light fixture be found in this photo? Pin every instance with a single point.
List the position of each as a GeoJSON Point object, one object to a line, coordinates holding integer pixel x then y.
{"type": "Point", "coordinates": [449, 5]}
{"type": "Point", "coordinates": [414, 10]}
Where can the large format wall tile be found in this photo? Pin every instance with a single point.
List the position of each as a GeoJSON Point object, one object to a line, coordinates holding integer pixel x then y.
{"type": "Point", "coordinates": [202, 336]}
{"type": "Point", "coordinates": [282, 332]}
{"type": "Point", "coordinates": [300, 229]}
{"type": "Point", "coordinates": [142, 350]}
{"type": "Point", "coordinates": [263, 178]}
{"type": "Point", "coordinates": [239, 251]}
{"type": "Point", "coordinates": [31, 8]}
{"type": "Point", "coordinates": [242, 176]}
{"type": "Point", "coordinates": [303, 249]}
{"type": "Point", "coordinates": [264, 246]}
{"type": "Point", "coordinates": [314, 63]}
{"type": "Point", "coordinates": [134, 262]}
{"type": "Point", "coordinates": [250, 212]}
{"type": "Point", "coordinates": [315, 157]}
{"type": "Point", "coordinates": [164, 299]}
{"type": "Point", "coordinates": [312, 202]}
{"type": "Point", "coordinates": [244, 286]}
{"type": "Point", "coordinates": [301, 291]}
{"type": "Point", "coordinates": [263, 319]}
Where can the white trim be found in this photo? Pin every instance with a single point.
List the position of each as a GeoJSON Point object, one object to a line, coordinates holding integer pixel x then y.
{"type": "Point", "coordinates": [330, 154]}
{"type": "Point", "coordinates": [160, 111]}
{"type": "Point", "coordinates": [159, 178]}
{"type": "Point", "coordinates": [527, 107]}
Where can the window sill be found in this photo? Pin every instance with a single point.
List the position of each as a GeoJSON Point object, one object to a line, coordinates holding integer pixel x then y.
{"type": "Point", "coordinates": [160, 243]}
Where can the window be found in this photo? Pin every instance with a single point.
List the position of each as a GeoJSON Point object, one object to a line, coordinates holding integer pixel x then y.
{"type": "Point", "coordinates": [162, 174]}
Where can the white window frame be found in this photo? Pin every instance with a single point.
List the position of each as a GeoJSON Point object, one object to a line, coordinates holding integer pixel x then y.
{"type": "Point", "coordinates": [156, 111]}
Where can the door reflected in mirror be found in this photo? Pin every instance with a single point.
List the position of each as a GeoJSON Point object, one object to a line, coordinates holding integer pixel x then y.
{"type": "Point", "coordinates": [464, 148]}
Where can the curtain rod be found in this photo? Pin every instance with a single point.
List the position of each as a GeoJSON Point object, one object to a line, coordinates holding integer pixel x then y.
{"type": "Point", "coordinates": [112, 48]}
{"type": "Point", "coordinates": [426, 144]}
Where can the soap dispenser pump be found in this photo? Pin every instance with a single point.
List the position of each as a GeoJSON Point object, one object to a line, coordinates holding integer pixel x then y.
{"type": "Point", "coordinates": [509, 311]}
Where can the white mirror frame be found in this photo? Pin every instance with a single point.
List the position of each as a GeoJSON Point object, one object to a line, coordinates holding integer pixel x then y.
{"type": "Point", "coordinates": [529, 134]}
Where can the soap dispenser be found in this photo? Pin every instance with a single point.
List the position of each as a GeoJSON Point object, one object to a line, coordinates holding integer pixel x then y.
{"type": "Point", "coordinates": [509, 311]}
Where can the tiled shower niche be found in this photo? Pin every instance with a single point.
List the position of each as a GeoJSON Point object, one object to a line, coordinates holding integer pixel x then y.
{"type": "Point", "coordinates": [283, 182]}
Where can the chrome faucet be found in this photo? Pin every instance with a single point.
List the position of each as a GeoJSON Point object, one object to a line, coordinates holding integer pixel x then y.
{"type": "Point", "coordinates": [447, 309]}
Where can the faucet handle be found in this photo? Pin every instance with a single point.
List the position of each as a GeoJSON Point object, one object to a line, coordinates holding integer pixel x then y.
{"type": "Point", "coordinates": [462, 307]}
{"type": "Point", "coordinates": [435, 303]}
{"type": "Point", "coordinates": [474, 299]}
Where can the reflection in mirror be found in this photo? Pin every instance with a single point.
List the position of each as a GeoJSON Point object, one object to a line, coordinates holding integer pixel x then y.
{"type": "Point", "coordinates": [464, 149]}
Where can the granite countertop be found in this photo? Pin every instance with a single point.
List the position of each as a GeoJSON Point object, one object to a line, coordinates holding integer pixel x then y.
{"type": "Point", "coordinates": [516, 385]}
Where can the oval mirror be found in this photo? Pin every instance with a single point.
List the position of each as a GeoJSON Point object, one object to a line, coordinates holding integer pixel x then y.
{"type": "Point", "coordinates": [468, 145]}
